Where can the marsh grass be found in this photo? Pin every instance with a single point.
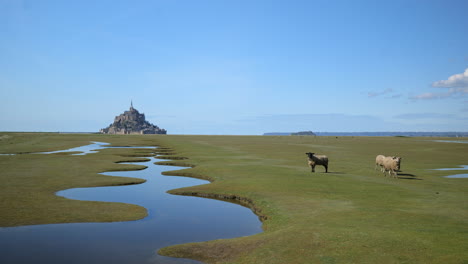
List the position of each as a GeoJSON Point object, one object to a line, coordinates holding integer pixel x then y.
{"type": "Point", "coordinates": [353, 214]}
{"type": "Point", "coordinates": [30, 181]}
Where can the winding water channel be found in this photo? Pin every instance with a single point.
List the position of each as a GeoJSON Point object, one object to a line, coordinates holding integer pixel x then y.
{"type": "Point", "coordinates": [172, 220]}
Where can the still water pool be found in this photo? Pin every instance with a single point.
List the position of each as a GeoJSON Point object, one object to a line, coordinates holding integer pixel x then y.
{"type": "Point", "coordinates": [172, 220]}
{"type": "Point", "coordinates": [452, 141]}
{"type": "Point", "coordinates": [462, 167]}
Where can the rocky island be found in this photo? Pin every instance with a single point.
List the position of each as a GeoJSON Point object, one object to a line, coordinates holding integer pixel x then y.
{"type": "Point", "coordinates": [132, 122]}
{"type": "Point", "coordinates": [303, 133]}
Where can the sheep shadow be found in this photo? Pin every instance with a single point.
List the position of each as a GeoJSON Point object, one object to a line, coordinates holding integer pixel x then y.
{"type": "Point", "coordinates": [408, 176]}
{"type": "Point", "coordinates": [325, 173]}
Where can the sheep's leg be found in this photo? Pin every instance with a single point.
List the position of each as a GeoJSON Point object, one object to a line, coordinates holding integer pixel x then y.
{"type": "Point", "coordinates": [326, 168]}
{"type": "Point", "coordinates": [313, 168]}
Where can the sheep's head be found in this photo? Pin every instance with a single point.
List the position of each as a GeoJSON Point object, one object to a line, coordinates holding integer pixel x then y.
{"type": "Point", "coordinates": [396, 162]}
{"type": "Point", "coordinates": [310, 154]}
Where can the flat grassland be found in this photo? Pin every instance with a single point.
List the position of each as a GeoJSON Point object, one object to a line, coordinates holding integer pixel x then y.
{"type": "Point", "coordinates": [353, 214]}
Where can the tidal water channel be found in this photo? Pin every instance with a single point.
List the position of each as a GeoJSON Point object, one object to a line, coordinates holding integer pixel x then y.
{"type": "Point", "coordinates": [461, 167]}
{"type": "Point", "coordinates": [172, 220]}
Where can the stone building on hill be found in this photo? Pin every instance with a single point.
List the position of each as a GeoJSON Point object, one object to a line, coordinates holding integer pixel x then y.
{"type": "Point", "coordinates": [132, 122]}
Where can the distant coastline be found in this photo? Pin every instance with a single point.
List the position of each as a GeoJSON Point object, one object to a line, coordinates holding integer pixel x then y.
{"type": "Point", "coordinates": [354, 134]}
{"type": "Point", "coordinates": [379, 134]}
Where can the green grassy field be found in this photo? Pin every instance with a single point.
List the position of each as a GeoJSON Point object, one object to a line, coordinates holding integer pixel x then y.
{"type": "Point", "coordinates": [353, 214]}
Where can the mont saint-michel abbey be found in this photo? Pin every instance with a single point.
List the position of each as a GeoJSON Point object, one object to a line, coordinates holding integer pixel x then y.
{"type": "Point", "coordinates": [132, 122]}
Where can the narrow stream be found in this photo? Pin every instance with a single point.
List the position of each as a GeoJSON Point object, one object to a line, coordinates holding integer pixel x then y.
{"type": "Point", "coordinates": [456, 176]}
{"type": "Point", "coordinates": [461, 167]}
{"type": "Point", "coordinates": [172, 220]}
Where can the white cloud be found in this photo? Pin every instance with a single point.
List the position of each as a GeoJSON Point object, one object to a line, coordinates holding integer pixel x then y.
{"type": "Point", "coordinates": [456, 85]}
{"type": "Point", "coordinates": [429, 96]}
{"type": "Point", "coordinates": [396, 96]}
{"type": "Point", "coordinates": [374, 94]}
{"type": "Point", "coordinates": [388, 91]}
{"type": "Point", "coordinates": [457, 80]}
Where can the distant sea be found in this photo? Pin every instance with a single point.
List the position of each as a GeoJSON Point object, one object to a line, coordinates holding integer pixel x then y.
{"type": "Point", "coordinates": [380, 134]}
{"type": "Point", "coordinates": [78, 132]}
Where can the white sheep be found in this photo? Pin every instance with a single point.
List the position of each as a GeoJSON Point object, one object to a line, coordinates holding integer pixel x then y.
{"type": "Point", "coordinates": [392, 165]}
{"type": "Point", "coordinates": [379, 162]}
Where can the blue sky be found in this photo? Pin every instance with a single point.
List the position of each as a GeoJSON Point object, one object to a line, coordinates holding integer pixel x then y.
{"type": "Point", "coordinates": [235, 66]}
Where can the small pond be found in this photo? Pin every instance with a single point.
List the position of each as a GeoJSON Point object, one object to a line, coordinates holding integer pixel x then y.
{"type": "Point", "coordinates": [172, 220]}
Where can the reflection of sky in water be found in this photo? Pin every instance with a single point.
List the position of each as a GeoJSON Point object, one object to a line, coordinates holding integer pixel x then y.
{"type": "Point", "coordinates": [172, 220]}
{"type": "Point", "coordinates": [453, 141]}
{"type": "Point", "coordinates": [91, 148]}
{"type": "Point", "coordinates": [457, 176]}
{"type": "Point", "coordinates": [462, 167]}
